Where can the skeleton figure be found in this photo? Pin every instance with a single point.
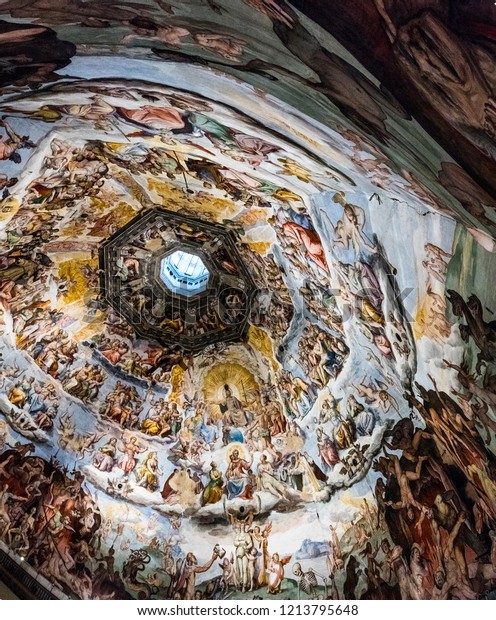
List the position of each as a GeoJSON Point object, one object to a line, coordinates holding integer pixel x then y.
{"type": "Point", "coordinates": [308, 581]}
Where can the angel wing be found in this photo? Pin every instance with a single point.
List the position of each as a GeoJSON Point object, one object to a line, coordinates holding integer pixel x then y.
{"type": "Point", "coordinates": [285, 560]}
{"type": "Point", "coordinates": [267, 529]}
{"type": "Point", "coordinates": [381, 384]}
{"type": "Point", "coordinates": [360, 215]}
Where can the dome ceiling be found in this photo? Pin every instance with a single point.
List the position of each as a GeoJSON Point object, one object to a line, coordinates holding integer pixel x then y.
{"type": "Point", "coordinates": [177, 280]}
{"type": "Point", "coordinates": [244, 305]}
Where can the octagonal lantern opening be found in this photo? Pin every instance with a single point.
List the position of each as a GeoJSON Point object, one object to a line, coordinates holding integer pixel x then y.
{"type": "Point", "coordinates": [184, 273]}
{"type": "Point", "coordinates": [176, 266]}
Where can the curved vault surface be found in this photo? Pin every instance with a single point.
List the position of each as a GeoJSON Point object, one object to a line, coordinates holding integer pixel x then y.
{"type": "Point", "coordinates": [330, 386]}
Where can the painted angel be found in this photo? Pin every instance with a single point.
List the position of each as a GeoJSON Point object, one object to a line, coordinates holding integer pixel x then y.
{"type": "Point", "coordinates": [376, 394]}
{"type": "Point", "coordinates": [275, 572]}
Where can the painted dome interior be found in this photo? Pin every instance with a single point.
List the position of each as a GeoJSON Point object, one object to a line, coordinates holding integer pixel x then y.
{"type": "Point", "coordinates": [247, 321]}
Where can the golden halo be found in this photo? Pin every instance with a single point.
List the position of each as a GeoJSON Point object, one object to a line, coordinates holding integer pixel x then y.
{"type": "Point", "coordinates": [235, 446]}
{"type": "Point", "coordinates": [237, 377]}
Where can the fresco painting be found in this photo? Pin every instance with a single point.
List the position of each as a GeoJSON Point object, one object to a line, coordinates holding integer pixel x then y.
{"type": "Point", "coordinates": [339, 441]}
